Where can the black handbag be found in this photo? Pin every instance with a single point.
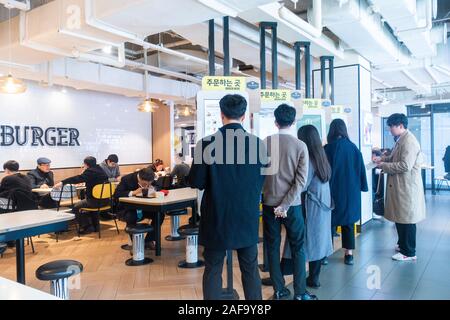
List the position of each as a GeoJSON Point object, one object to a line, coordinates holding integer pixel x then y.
{"type": "Point", "coordinates": [378, 203]}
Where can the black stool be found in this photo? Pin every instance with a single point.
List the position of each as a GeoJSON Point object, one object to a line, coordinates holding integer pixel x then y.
{"type": "Point", "coordinates": [175, 224]}
{"type": "Point", "coordinates": [191, 234]}
{"type": "Point", "coordinates": [58, 272]}
{"type": "Point", "coordinates": [137, 232]}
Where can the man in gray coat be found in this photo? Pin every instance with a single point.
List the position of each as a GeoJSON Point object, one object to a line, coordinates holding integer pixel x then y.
{"type": "Point", "coordinates": [282, 203]}
{"type": "Point", "coordinates": [405, 201]}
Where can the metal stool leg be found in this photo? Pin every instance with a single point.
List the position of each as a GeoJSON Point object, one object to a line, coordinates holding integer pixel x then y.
{"type": "Point", "coordinates": [139, 258]}
{"type": "Point", "coordinates": [60, 288]}
{"type": "Point", "coordinates": [174, 225]}
{"type": "Point", "coordinates": [192, 260]}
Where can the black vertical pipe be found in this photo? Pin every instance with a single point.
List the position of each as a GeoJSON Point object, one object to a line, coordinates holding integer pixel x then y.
{"type": "Point", "coordinates": [212, 50]}
{"type": "Point", "coordinates": [323, 81]}
{"type": "Point", "coordinates": [262, 55]}
{"type": "Point", "coordinates": [274, 56]}
{"type": "Point", "coordinates": [307, 69]}
{"type": "Point", "coordinates": [331, 74]}
{"type": "Point", "coordinates": [298, 66]}
{"type": "Point", "coordinates": [226, 46]}
{"type": "Point", "coordinates": [20, 261]}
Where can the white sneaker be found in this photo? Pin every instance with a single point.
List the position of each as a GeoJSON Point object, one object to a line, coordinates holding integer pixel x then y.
{"type": "Point", "coordinates": [401, 257]}
{"type": "Point", "coordinates": [397, 248]}
{"type": "Point", "coordinates": [377, 217]}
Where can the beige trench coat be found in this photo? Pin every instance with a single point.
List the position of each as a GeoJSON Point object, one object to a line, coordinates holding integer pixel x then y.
{"type": "Point", "coordinates": [404, 199]}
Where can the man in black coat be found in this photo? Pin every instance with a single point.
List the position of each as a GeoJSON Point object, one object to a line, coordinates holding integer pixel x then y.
{"type": "Point", "coordinates": [42, 177]}
{"type": "Point", "coordinates": [91, 176]}
{"type": "Point", "coordinates": [135, 184]}
{"type": "Point", "coordinates": [228, 167]}
{"type": "Point", "coordinates": [15, 189]}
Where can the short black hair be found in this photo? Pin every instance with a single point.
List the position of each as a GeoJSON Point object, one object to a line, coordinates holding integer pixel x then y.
{"type": "Point", "coordinates": [233, 106]}
{"type": "Point", "coordinates": [285, 115]}
{"type": "Point", "coordinates": [146, 174]}
{"type": "Point", "coordinates": [90, 161]}
{"type": "Point", "coordinates": [397, 119]}
{"type": "Point", "coordinates": [113, 158]}
{"type": "Point", "coordinates": [11, 165]}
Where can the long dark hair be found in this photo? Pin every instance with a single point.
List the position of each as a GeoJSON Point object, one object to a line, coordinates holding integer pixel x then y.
{"type": "Point", "coordinates": [310, 136]}
{"type": "Point", "coordinates": [338, 130]}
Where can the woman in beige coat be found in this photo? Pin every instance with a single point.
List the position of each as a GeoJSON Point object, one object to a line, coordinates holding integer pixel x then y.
{"type": "Point", "coordinates": [405, 201]}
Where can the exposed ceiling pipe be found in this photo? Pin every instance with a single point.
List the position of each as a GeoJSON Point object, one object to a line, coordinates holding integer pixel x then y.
{"type": "Point", "coordinates": [415, 81]}
{"type": "Point", "coordinates": [384, 83]}
{"type": "Point", "coordinates": [142, 66]}
{"type": "Point", "coordinates": [428, 19]}
{"type": "Point", "coordinates": [432, 74]}
{"type": "Point", "coordinates": [13, 4]}
{"type": "Point", "coordinates": [92, 21]}
{"type": "Point", "coordinates": [291, 18]}
{"type": "Point", "coordinates": [17, 65]}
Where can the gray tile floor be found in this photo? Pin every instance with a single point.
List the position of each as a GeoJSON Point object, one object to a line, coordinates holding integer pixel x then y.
{"type": "Point", "coordinates": [426, 279]}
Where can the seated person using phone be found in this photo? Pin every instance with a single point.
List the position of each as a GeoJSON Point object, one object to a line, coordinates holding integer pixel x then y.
{"type": "Point", "coordinates": [138, 184]}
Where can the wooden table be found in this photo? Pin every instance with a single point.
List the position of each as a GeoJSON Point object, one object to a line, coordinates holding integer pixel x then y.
{"type": "Point", "coordinates": [10, 290]}
{"type": "Point", "coordinates": [20, 225]}
{"type": "Point", "coordinates": [176, 199]}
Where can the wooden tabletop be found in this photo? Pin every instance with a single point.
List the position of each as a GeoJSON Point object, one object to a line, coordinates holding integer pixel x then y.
{"type": "Point", "coordinates": [174, 196]}
{"type": "Point", "coordinates": [48, 190]}
{"type": "Point", "coordinates": [28, 219]}
{"type": "Point", "coordinates": [10, 290]}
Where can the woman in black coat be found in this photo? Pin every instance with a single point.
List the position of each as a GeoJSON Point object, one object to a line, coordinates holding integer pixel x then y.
{"type": "Point", "coordinates": [348, 179]}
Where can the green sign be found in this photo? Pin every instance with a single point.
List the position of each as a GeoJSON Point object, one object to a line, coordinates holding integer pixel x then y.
{"type": "Point", "coordinates": [315, 120]}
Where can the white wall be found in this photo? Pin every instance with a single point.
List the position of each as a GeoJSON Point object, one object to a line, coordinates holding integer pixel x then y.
{"type": "Point", "coordinates": [107, 123]}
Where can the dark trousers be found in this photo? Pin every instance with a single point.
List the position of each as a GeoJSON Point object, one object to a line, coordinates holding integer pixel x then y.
{"type": "Point", "coordinates": [88, 219]}
{"type": "Point", "coordinates": [407, 239]}
{"type": "Point", "coordinates": [131, 218]}
{"type": "Point", "coordinates": [295, 233]}
{"type": "Point", "coordinates": [348, 237]}
{"type": "Point", "coordinates": [47, 202]}
{"type": "Point", "coordinates": [314, 270]}
{"type": "Point", "coordinates": [248, 263]}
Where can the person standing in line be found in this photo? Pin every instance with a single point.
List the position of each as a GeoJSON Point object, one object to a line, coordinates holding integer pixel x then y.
{"type": "Point", "coordinates": [348, 179]}
{"type": "Point", "coordinates": [282, 204]}
{"type": "Point", "coordinates": [317, 206]}
{"type": "Point", "coordinates": [405, 200]}
{"type": "Point", "coordinates": [229, 167]}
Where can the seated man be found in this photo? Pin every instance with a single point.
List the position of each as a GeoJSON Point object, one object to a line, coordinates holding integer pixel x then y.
{"type": "Point", "coordinates": [135, 184]}
{"type": "Point", "coordinates": [180, 171]}
{"type": "Point", "coordinates": [111, 167]}
{"type": "Point", "coordinates": [13, 180]}
{"type": "Point", "coordinates": [92, 176]}
{"type": "Point", "coordinates": [42, 178]}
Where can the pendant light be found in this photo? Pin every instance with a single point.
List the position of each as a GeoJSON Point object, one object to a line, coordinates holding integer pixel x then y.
{"type": "Point", "coordinates": [9, 84]}
{"type": "Point", "coordinates": [147, 105]}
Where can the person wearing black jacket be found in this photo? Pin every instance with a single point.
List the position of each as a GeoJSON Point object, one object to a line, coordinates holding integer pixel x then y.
{"type": "Point", "coordinates": [132, 185]}
{"type": "Point", "coordinates": [92, 176]}
{"type": "Point", "coordinates": [232, 179]}
{"type": "Point", "coordinates": [446, 160]}
{"type": "Point", "coordinates": [42, 177]}
{"type": "Point", "coordinates": [13, 180]}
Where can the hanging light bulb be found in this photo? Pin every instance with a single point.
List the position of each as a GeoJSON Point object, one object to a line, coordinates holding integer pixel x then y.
{"type": "Point", "coordinates": [11, 85]}
{"type": "Point", "coordinates": [148, 106]}
{"type": "Point", "coordinates": [187, 112]}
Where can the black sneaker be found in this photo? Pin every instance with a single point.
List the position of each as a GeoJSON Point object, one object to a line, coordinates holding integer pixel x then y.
{"type": "Point", "coordinates": [348, 260]}
{"type": "Point", "coordinates": [312, 284]}
{"type": "Point", "coordinates": [305, 296]}
{"type": "Point", "coordinates": [278, 295]}
{"type": "Point", "coordinates": [324, 261]}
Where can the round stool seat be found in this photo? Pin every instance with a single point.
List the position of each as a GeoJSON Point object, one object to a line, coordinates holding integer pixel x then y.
{"type": "Point", "coordinates": [176, 212]}
{"type": "Point", "coordinates": [139, 228]}
{"type": "Point", "coordinates": [188, 230]}
{"type": "Point", "coordinates": [59, 269]}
